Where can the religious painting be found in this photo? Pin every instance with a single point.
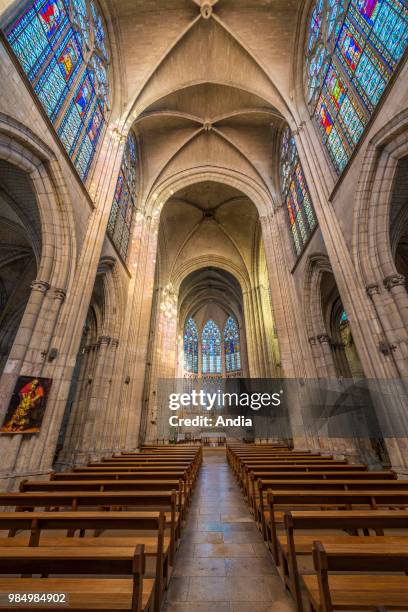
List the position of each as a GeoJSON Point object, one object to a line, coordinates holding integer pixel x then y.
{"type": "Point", "coordinates": [27, 406]}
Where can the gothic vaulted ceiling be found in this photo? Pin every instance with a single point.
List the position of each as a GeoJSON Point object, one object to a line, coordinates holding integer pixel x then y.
{"type": "Point", "coordinates": [205, 83]}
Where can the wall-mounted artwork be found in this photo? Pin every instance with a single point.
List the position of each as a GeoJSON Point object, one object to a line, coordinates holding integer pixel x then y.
{"type": "Point", "coordinates": [27, 406]}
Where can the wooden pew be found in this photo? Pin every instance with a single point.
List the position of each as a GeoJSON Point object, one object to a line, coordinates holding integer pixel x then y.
{"type": "Point", "coordinates": [358, 592]}
{"type": "Point", "coordinates": [279, 501]}
{"type": "Point", "coordinates": [29, 486]}
{"type": "Point", "coordinates": [73, 566]}
{"type": "Point", "coordinates": [292, 544]}
{"type": "Point", "coordinates": [344, 484]}
{"type": "Point", "coordinates": [38, 522]}
{"type": "Point", "coordinates": [79, 500]}
{"type": "Point", "coordinates": [138, 475]}
{"type": "Point", "coordinates": [329, 470]}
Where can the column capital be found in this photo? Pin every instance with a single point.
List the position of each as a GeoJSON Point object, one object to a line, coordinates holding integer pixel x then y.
{"type": "Point", "coordinates": [39, 285]}
{"type": "Point", "coordinates": [372, 289]}
{"type": "Point", "coordinates": [59, 294]}
{"type": "Point", "coordinates": [394, 280]}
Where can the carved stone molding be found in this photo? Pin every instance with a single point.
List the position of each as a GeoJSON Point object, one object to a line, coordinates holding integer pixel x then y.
{"type": "Point", "coordinates": [372, 289]}
{"type": "Point", "coordinates": [394, 280]}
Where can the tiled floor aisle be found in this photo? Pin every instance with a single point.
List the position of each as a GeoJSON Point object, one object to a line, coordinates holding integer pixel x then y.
{"type": "Point", "coordinates": [222, 564]}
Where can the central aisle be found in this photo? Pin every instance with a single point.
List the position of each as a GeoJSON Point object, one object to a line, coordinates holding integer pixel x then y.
{"type": "Point", "coordinates": [222, 564]}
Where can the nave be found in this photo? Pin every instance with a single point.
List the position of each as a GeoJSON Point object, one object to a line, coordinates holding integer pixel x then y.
{"type": "Point", "coordinates": [223, 564]}
{"type": "Point", "coordinates": [183, 527]}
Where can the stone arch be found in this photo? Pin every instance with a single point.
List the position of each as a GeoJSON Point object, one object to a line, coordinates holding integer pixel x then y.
{"type": "Point", "coordinates": [22, 148]}
{"type": "Point", "coordinates": [161, 192]}
{"type": "Point", "coordinates": [371, 219]}
{"type": "Point", "coordinates": [372, 244]}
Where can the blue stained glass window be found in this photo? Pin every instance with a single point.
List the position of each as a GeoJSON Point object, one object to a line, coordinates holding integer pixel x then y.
{"type": "Point", "coordinates": [232, 346]}
{"type": "Point", "coordinates": [350, 59]}
{"type": "Point", "coordinates": [124, 199]}
{"type": "Point", "coordinates": [51, 39]}
{"type": "Point", "coordinates": [191, 347]}
{"type": "Point", "coordinates": [211, 348]}
{"type": "Point", "coordinates": [81, 18]}
{"type": "Point", "coordinates": [302, 218]}
{"type": "Point", "coordinates": [51, 89]}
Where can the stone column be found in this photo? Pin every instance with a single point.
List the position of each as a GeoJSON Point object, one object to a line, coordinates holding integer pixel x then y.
{"type": "Point", "coordinates": [365, 329]}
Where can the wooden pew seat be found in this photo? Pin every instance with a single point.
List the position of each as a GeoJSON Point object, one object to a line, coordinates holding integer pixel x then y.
{"type": "Point", "coordinates": [149, 542]}
{"type": "Point", "coordinates": [304, 543]}
{"type": "Point", "coordinates": [347, 590]}
{"type": "Point", "coordinates": [85, 594]}
{"type": "Point", "coordinates": [362, 592]}
{"type": "Point", "coordinates": [133, 594]}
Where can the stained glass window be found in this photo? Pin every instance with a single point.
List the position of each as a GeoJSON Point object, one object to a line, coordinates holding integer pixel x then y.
{"type": "Point", "coordinates": [62, 47]}
{"type": "Point", "coordinates": [232, 346]}
{"type": "Point", "coordinates": [211, 348]}
{"type": "Point", "coordinates": [191, 347]}
{"type": "Point", "coordinates": [352, 50]}
{"type": "Point", "coordinates": [302, 218]}
{"type": "Point", "coordinates": [124, 200]}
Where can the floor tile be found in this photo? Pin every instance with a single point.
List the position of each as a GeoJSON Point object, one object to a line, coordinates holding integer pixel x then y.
{"type": "Point", "coordinates": [224, 550]}
{"type": "Point", "coordinates": [200, 567]}
{"type": "Point", "coordinates": [223, 564]}
{"type": "Point", "coordinates": [248, 566]}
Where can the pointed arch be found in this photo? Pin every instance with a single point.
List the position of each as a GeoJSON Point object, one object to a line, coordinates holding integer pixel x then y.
{"type": "Point", "coordinates": [232, 347]}
{"type": "Point", "coordinates": [211, 348]}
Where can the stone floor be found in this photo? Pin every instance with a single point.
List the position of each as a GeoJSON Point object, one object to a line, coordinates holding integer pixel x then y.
{"type": "Point", "coordinates": [222, 564]}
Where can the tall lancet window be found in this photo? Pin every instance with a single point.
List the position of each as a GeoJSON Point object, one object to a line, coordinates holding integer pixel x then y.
{"type": "Point", "coordinates": [62, 47]}
{"type": "Point", "coordinates": [232, 346]}
{"type": "Point", "coordinates": [124, 201]}
{"type": "Point", "coordinates": [211, 348]}
{"type": "Point", "coordinates": [190, 347]}
{"type": "Point", "coordinates": [302, 218]}
{"type": "Point", "coordinates": [352, 50]}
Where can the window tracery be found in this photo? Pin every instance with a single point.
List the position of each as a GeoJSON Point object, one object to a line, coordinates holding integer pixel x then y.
{"type": "Point", "coordinates": [211, 348]}
{"type": "Point", "coordinates": [124, 199]}
{"type": "Point", "coordinates": [302, 218]}
{"type": "Point", "coordinates": [232, 346]}
{"type": "Point", "coordinates": [191, 347]}
{"type": "Point", "coordinates": [62, 47]}
{"type": "Point", "coordinates": [352, 50]}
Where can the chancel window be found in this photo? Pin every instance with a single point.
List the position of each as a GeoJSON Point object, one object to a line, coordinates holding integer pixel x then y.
{"type": "Point", "coordinates": [295, 193]}
{"type": "Point", "coordinates": [62, 47]}
{"type": "Point", "coordinates": [124, 200]}
{"type": "Point", "coordinates": [232, 346]}
{"type": "Point", "coordinates": [352, 50]}
{"type": "Point", "coordinates": [191, 347]}
{"type": "Point", "coordinates": [211, 348]}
